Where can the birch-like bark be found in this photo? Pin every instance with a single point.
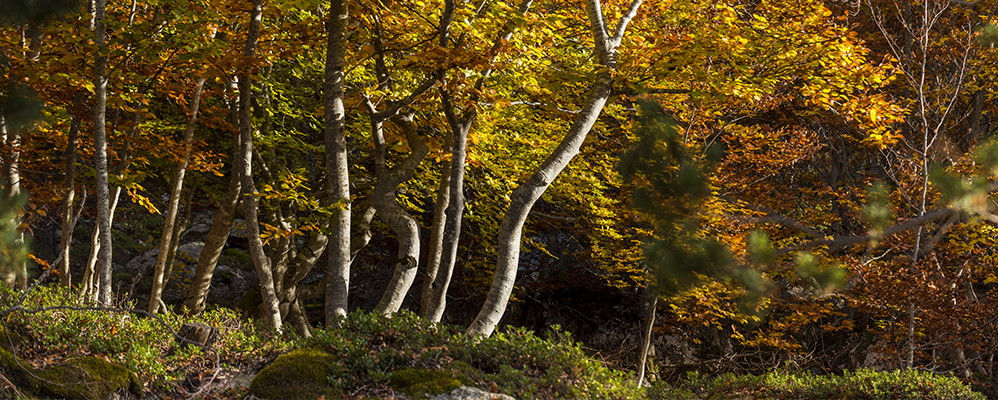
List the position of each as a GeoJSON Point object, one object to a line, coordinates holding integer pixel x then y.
{"type": "Point", "coordinates": [69, 186]}
{"type": "Point", "coordinates": [437, 296]}
{"type": "Point", "coordinates": [270, 306]}
{"type": "Point", "coordinates": [435, 253]}
{"type": "Point", "coordinates": [100, 162]}
{"type": "Point", "coordinates": [337, 170]}
{"type": "Point", "coordinates": [524, 196]}
{"type": "Point", "coordinates": [391, 213]}
{"type": "Point", "coordinates": [434, 299]}
{"type": "Point", "coordinates": [158, 279]}
{"type": "Point", "coordinates": [12, 177]}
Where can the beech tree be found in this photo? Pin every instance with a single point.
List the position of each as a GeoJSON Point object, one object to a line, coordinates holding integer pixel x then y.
{"type": "Point", "coordinates": [523, 198]}
{"type": "Point", "coordinates": [337, 171]}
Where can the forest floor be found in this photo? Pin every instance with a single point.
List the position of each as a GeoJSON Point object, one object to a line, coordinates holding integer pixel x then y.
{"type": "Point", "coordinates": [369, 356]}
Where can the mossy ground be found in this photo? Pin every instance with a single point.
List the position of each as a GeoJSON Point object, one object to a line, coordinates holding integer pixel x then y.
{"type": "Point", "coordinates": [375, 356]}
{"type": "Point", "coordinates": [300, 374]}
{"type": "Point", "coordinates": [421, 383]}
{"type": "Point", "coordinates": [79, 378]}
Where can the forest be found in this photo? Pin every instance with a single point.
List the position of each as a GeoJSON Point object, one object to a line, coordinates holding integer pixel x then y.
{"type": "Point", "coordinates": [648, 199]}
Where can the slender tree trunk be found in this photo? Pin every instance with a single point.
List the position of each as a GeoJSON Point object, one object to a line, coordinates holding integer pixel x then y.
{"type": "Point", "coordinates": [218, 234]}
{"type": "Point", "coordinates": [271, 311]}
{"type": "Point", "coordinates": [158, 280]}
{"type": "Point", "coordinates": [337, 171]}
{"type": "Point", "coordinates": [8, 273]}
{"type": "Point", "coordinates": [524, 196]}
{"type": "Point", "coordinates": [444, 255]}
{"type": "Point", "coordinates": [453, 214]}
{"type": "Point", "coordinates": [404, 225]}
{"type": "Point", "coordinates": [65, 278]}
{"type": "Point", "coordinates": [648, 332]}
{"type": "Point", "coordinates": [11, 137]}
{"type": "Point", "coordinates": [435, 254]}
{"type": "Point", "coordinates": [89, 287]}
{"type": "Point", "coordinates": [100, 162]}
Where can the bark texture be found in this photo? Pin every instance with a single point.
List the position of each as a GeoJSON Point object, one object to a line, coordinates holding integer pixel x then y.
{"type": "Point", "coordinates": [103, 267]}
{"type": "Point", "coordinates": [218, 233]}
{"type": "Point", "coordinates": [337, 171]}
{"type": "Point", "coordinates": [397, 218]}
{"type": "Point", "coordinates": [437, 296]}
{"type": "Point", "coordinates": [435, 254]}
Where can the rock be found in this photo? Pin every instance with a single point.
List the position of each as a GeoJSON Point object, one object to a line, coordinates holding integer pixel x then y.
{"type": "Point", "coordinates": [300, 374]}
{"type": "Point", "coordinates": [198, 333]}
{"type": "Point", "coordinates": [79, 378]}
{"type": "Point", "coordinates": [423, 383]}
{"type": "Point", "coordinates": [229, 284]}
{"type": "Point", "coordinates": [472, 393]}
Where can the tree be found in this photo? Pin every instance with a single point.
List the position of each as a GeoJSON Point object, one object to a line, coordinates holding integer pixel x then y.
{"type": "Point", "coordinates": [171, 215]}
{"type": "Point", "coordinates": [337, 171]}
{"type": "Point", "coordinates": [270, 307]}
{"type": "Point", "coordinates": [526, 195]}
{"type": "Point", "coordinates": [100, 143]}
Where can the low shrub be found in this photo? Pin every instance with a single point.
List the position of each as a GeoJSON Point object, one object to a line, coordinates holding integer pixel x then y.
{"type": "Point", "coordinates": [859, 384]}
{"type": "Point", "coordinates": [521, 364]}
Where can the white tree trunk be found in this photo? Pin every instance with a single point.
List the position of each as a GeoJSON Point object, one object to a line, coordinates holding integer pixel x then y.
{"type": "Point", "coordinates": [524, 196]}
{"type": "Point", "coordinates": [337, 170]}
{"type": "Point", "coordinates": [103, 268]}
{"type": "Point", "coordinates": [404, 225]}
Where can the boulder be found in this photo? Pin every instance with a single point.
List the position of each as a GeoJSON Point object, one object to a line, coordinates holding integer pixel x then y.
{"type": "Point", "coordinates": [471, 393]}
{"type": "Point", "coordinates": [200, 334]}
{"type": "Point", "coordinates": [420, 383]}
{"type": "Point", "coordinates": [79, 378]}
{"type": "Point", "coordinates": [300, 374]}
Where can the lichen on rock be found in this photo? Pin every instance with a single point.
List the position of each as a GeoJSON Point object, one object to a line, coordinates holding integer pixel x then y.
{"type": "Point", "coordinates": [300, 374]}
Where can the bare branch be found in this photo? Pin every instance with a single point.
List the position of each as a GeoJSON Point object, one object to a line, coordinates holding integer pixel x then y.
{"type": "Point", "coordinates": [632, 11]}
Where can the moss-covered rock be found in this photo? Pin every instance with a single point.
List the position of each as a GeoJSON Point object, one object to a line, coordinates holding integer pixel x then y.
{"type": "Point", "coordinates": [14, 339]}
{"type": "Point", "coordinates": [80, 378]}
{"type": "Point", "coordinates": [423, 383]}
{"type": "Point", "coordinates": [87, 378]}
{"type": "Point", "coordinates": [300, 374]}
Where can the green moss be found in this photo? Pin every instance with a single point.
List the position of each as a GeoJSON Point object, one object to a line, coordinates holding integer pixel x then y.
{"type": "Point", "coordinates": [11, 370]}
{"type": "Point", "coordinates": [423, 383]}
{"type": "Point", "coordinates": [15, 339]}
{"type": "Point", "coordinates": [81, 378]}
{"type": "Point", "coordinates": [87, 378]}
{"type": "Point", "coordinates": [300, 374]}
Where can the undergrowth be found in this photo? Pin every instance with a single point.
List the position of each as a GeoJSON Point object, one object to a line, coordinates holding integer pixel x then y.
{"type": "Point", "coordinates": [371, 346]}
{"type": "Point", "coordinates": [860, 384]}
{"type": "Point", "coordinates": [139, 343]}
{"type": "Point", "coordinates": [368, 349]}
